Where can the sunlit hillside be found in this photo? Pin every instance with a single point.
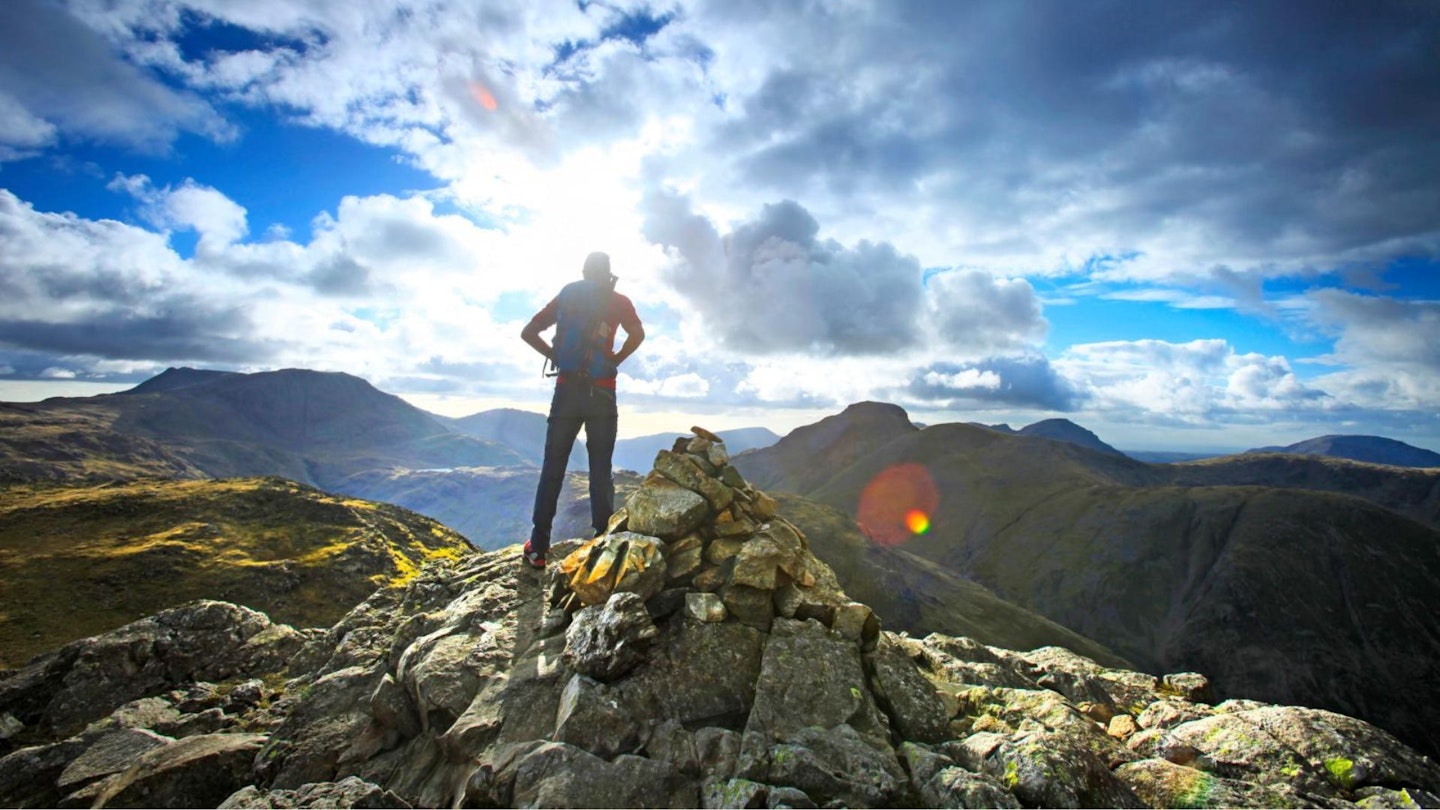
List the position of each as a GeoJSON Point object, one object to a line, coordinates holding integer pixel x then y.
{"type": "Point", "coordinates": [80, 560]}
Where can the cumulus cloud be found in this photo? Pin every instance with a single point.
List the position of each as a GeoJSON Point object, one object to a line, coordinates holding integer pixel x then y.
{"type": "Point", "coordinates": [93, 296]}
{"type": "Point", "coordinates": [1390, 348]}
{"type": "Point", "coordinates": [1375, 329]}
{"type": "Point", "coordinates": [1191, 382]}
{"type": "Point", "coordinates": [979, 314]}
{"type": "Point", "coordinates": [1027, 139]}
{"type": "Point", "coordinates": [772, 286]}
{"type": "Point", "coordinates": [66, 78]}
{"type": "Point", "coordinates": [217, 219]}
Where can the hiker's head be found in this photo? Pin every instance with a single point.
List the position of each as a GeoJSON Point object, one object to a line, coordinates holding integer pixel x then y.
{"type": "Point", "coordinates": [597, 267]}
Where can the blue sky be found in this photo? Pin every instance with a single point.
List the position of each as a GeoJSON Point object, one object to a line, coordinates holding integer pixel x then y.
{"type": "Point", "coordinates": [1182, 225]}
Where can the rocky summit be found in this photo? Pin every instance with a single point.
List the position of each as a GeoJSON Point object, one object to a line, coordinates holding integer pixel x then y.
{"type": "Point", "coordinates": [696, 654]}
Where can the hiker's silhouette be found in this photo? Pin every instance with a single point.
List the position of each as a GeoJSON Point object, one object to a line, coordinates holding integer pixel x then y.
{"type": "Point", "coordinates": [586, 316]}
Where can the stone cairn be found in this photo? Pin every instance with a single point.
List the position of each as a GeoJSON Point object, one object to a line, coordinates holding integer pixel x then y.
{"type": "Point", "coordinates": [696, 536]}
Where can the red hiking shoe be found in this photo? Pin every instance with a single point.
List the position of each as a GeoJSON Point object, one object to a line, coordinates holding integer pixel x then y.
{"type": "Point", "coordinates": [533, 558]}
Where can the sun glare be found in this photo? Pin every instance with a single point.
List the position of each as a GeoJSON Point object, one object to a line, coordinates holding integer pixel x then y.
{"type": "Point", "coordinates": [897, 504]}
{"type": "Point", "coordinates": [482, 95]}
{"type": "Point", "coordinates": [917, 522]}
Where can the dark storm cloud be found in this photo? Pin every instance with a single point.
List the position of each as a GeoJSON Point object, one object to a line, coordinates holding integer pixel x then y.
{"type": "Point", "coordinates": [60, 71]}
{"type": "Point", "coordinates": [1268, 125]}
{"type": "Point", "coordinates": [1015, 381]}
{"type": "Point", "coordinates": [771, 286]}
{"type": "Point", "coordinates": [179, 330]}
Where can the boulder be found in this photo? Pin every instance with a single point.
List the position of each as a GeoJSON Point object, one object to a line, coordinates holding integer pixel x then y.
{"type": "Point", "coordinates": [966, 661]}
{"type": "Point", "coordinates": [1045, 770]}
{"type": "Point", "coordinates": [352, 791]}
{"type": "Point", "coordinates": [86, 680]}
{"type": "Point", "coordinates": [625, 562]}
{"type": "Point", "coordinates": [906, 696]}
{"type": "Point", "coordinates": [673, 743]}
{"type": "Point", "coordinates": [811, 676]}
{"type": "Point", "coordinates": [957, 787]}
{"type": "Point", "coordinates": [1322, 753]}
{"type": "Point", "coordinates": [727, 793]}
{"type": "Point", "coordinates": [662, 508]}
{"type": "Point", "coordinates": [718, 751]}
{"type": "Point", "coordinates": [752, 606]}
{"type": "Point", "coordinates": [560, 775]}
{"type": "Point", "coordinates": [28, 775]}
{"type": "Point", "coordinates": [328, 716]}
{"type": "Point", "coordinates": [607, 641]}
{"type": "Point", "coordinates": [111, 753]}
{"type": "Point", "coordinates": [1171, 712]}
{"type": "Point", "coordinates": [832, 765]}
{"type": "Point", "coordinates": [1236, 746]}
{"type": "Point", "coordinates": [684, 471]}
{"type": "Point", "coordinates": [1159, 783]}
{"type": "Point", "coordinates": [684, 558]}
{"type": "Point", "coordinates": [705, 607]}
{"type": "Point", "coordinates": [1191, 686]}
{"type": "Point", "coordinates": [200, 771]}
{"type": "Point", "coordinates": [697, 674]}
{"type": "Point", "coordinates": [591, 718]}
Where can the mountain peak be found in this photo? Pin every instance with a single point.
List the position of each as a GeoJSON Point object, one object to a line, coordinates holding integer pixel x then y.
{"type": "Point", "coordinates": [1066, 431]}
{"type": "Point", "coordinates": [1369, 449]}
{"type": "Point", "coordinates": [809, 455]}
{"type": "Point", "coordinates": [173, 379]}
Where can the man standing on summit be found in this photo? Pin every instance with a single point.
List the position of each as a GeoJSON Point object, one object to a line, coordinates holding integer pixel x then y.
{"type": "Point", "coordinates": [586, 315]}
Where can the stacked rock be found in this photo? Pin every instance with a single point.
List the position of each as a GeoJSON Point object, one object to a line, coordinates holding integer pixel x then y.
{"type": "Point", "coordinates": [696, 528]}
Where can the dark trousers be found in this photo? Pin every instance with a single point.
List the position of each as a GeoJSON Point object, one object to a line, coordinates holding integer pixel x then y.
{"type": "Point", "coordinates": [574, 405]}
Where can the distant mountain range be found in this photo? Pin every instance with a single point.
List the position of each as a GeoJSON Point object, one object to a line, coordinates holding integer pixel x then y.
{"type": "Point", "coordinates": [1201, 566]}
{"type": "Point", "coordinates": [1370, 449]}
{"type": "Point", "coordinates": [330, 430]}
{"type": "Point", "coordinates": [524, 432]}
{"type": "Point", "coordinates": [1061, 430]}
{"type": "Point", "coordinates": [1286, 577]}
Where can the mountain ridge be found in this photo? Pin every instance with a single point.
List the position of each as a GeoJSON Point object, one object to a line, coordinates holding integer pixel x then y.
{"type": "Point", "coordinates": [713, 663]}
{"type": "Point", "coordinates": [1057, 528]}
{"type": "Point", "coordinates": [1369, 449]}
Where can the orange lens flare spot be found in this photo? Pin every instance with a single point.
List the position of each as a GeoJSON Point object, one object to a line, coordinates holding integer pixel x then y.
{"type": "Point", "coordinates": [482, 94]}
{"type": "Point", "coordinates": [897, 504]}
{"type": "Point", "coordinates": [917, 522]}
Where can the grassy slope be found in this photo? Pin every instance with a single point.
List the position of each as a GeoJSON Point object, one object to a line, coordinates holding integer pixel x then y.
{"type": "Point", "coordinates": [74, 440]}
{"type": "Point", "coordinates": [912, 594]}
{"type": "Point", "coordinates": [79, 560]}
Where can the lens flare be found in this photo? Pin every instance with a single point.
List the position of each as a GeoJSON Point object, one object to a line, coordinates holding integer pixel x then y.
{"type": "Point", "coordinates": [917, 522]}
{"type": "Point", "coordinates": [482, 94]}
{"type": "Point", "coordinates": [898, 504]}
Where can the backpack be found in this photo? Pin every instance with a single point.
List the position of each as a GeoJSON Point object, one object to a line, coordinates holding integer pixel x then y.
{"type": "Point", "coordinates": [581, 332]}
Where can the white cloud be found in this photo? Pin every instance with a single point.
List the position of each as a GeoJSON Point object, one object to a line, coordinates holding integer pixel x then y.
{"type": "Point", "coordinates": [903, 138]}
{"type": "Point", "coordinates": [217, 219]}
{"type": "Point", "coordinates": [965, 378]}
{"type": "Point", "coordinates": [979, 315]}
{"type": "Point", "coordinates": [681, 386]}
{"type": "Point", "coordinates": [1194, 382]}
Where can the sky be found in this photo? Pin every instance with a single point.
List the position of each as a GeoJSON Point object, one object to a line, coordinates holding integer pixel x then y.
{"type": "Point", "coordinates": [1190, 226]}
